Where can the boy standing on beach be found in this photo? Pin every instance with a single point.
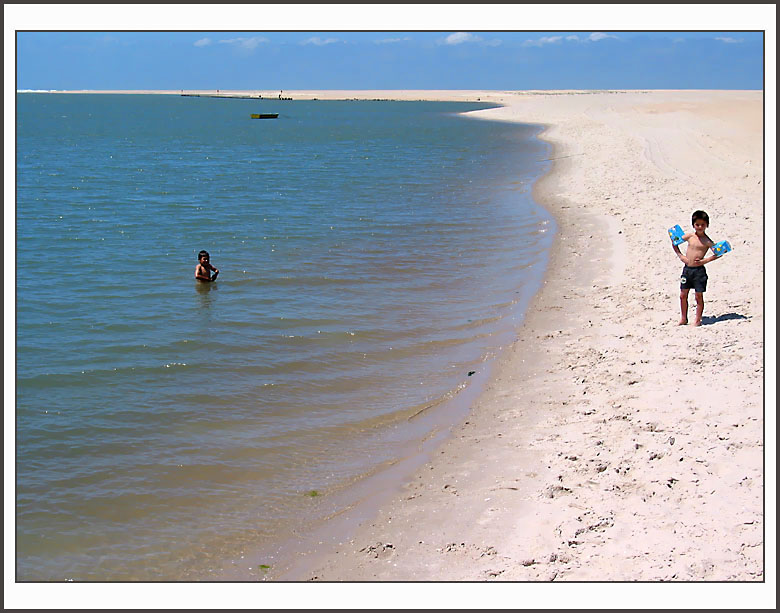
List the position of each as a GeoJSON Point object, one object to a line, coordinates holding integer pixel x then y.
{"type": "Point", "coordinates": [203, 268]}
{"type": "Point", "coordinates": [694, 275]}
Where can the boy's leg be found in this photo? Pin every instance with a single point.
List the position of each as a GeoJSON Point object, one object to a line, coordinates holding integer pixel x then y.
{"type": "Point", "coordinates": [683, 306]}
{"type": "Point", "coordinates": [699, 308]}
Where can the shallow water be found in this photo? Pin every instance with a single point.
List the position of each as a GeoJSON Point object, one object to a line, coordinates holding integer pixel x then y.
{"type": "Point", "coordinates": [371, 255]}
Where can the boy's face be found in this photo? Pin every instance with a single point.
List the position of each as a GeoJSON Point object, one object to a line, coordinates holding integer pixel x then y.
{"type": "Point", "coordinates": [204, 259]}
{"type": "Point", "coordinates": [700, 226]}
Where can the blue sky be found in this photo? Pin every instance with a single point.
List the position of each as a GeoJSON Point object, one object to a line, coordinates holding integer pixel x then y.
{"type": "Point", "coordinates": [581, 59]}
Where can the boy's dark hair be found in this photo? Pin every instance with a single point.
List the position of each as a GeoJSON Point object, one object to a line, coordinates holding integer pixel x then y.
{"type": "Point", "coordinates": [700, 215]}
{"type": "Point", "coordinates": [202, 253]}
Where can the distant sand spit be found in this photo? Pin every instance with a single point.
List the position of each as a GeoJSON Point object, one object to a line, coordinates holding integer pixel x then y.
{"type": "Point", "coordinates": [373, 94]}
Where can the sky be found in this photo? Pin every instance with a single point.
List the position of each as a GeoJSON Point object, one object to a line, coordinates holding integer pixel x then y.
{"type": "Point", "coordinates": [268, 60]}
{"type": "Point", "coordinates": [501, 49]}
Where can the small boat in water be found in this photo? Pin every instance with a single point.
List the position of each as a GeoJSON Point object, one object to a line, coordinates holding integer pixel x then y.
{"type": "Point", "coordinates": [264, 115]}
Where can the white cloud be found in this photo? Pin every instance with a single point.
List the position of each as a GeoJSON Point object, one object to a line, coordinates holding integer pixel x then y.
{"type": "Point", "coordinates": [203, 42]}
{"type": "Point", "coordinates": [544, 40]}
{"type": "Point", "coordinates": [389, 41]}
{"type": "Point", "coordinates": [461, 37]}
{"type": "Point", "coordinates": [596, 36]}
{"type": "Point", "coordinates": [572, 38]}
{"type": "Point", "coordinates": [316, 40]}
{"type": "Point", "coordinates": [245, 43]}
{"type": "Point", "coordinates": [728, 39]}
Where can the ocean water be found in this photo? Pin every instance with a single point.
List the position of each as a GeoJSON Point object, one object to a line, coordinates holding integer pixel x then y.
{"type": "Point", "coordinates": [372, 254]}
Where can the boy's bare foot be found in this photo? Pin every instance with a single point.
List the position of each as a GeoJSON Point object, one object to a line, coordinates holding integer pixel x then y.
{"type": "Point", "coordinates": [697, 322]}
{"type": "Point", "coordinates": [683, 322]}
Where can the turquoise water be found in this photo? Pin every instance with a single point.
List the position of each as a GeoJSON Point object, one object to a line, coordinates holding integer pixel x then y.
{"type": "Point", "coordinates": [370, 255]}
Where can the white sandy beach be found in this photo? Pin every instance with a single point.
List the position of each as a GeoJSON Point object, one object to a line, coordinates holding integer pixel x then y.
{"type": "Point", "coordinates": [611, 443]}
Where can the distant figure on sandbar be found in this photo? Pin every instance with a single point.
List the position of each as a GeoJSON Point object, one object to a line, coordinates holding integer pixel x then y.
{"type": "Point", "coordinates": [203, 268]}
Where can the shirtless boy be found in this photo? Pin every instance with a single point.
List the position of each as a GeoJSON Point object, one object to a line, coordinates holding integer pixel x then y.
{"type": "Point", "coordinates": [203, 268]}
{"type": "Point", "coordinates": [694, 275]}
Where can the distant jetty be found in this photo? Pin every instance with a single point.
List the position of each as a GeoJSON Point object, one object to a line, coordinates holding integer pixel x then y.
{"type": "Point", "coordinates": [240, 96]}
{"type": "Point", "coordinates": [236, 96]}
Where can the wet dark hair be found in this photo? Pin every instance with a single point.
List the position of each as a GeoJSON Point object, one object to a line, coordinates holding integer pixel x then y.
{"type": "Point", "coordinates": [202, 253]}
{"type": "Point", "coordinates": [700, 215]}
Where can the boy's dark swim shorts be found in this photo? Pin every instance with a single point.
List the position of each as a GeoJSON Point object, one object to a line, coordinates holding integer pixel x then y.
{"type": "Point", "coordinates": [694, 277]}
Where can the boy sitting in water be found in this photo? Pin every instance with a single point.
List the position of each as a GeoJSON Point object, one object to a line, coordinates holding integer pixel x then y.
{"type": "Point", "coordinates": [203, 268]}
{"type": "Point", "coordinates": [694, 275]}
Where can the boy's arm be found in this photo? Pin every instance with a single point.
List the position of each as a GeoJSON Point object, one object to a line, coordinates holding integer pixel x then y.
{"type": "Point", "coordinates": [676, 248]}
{"type": "Point", "coordinates": [712, 258]}
{"type": "Point", "coordinates": [202, 274]}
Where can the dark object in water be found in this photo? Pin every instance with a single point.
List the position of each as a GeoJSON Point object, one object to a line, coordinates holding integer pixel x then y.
{"type": "Point", "coordinates": [264, 115]}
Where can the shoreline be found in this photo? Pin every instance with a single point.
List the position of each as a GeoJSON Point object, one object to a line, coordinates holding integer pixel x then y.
{"type": "Point", "coordinates": [360, 499]}
{"type": "Point", "coordinates": [574, 465]}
